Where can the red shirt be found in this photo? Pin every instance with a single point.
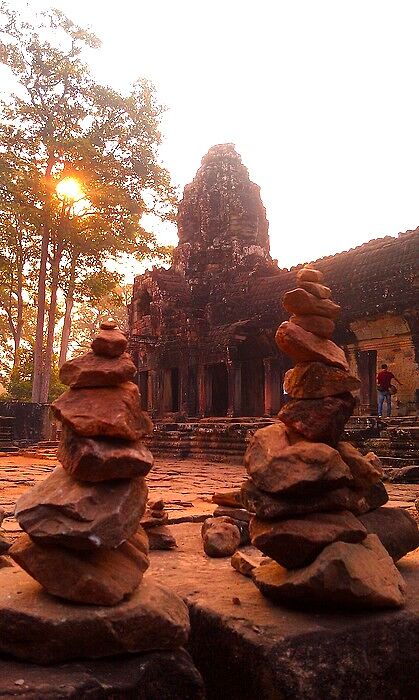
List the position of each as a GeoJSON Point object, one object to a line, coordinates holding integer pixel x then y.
{"type": "Point", "coordinates": [384, 379]}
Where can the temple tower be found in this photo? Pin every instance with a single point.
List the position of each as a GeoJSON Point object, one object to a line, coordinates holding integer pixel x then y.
{"type": "Point", "coordinates": [221, 220]}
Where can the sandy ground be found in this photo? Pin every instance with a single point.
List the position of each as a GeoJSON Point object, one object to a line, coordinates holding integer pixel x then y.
{"type": "Point", "coordinates": [185, 485]}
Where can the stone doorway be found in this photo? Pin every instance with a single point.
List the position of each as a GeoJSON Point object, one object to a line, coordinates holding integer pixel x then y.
{"type": "Point", "coordinates": [143, 387]}
{"type": "Point", "coordinates": [253, 388]}
{"type": "Point", "coordinates": [171, 390]}
{"type": "Point", "coordinates": [367, 371]}
{"type": "Point", "coordinates": [218, 376]}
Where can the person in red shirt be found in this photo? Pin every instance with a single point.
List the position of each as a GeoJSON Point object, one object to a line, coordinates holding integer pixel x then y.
{"type": "Point", "coordinates": [384, 378]}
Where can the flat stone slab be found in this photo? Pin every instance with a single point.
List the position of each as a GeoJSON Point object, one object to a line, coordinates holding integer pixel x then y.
{"type": "Point", "coordinates": [155, 676]}
{"type": "Point", "coordinates": [261, 650]}
{"type": "Point", "coordinates": [37, 627]}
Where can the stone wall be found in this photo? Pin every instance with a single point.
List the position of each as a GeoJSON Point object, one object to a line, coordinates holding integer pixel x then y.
{"type": "Point", "coordinates": [31, 421]}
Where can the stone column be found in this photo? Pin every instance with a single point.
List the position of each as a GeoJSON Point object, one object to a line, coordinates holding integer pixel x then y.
{"type": "Point", "coordinates": [201, 391]}
{"type": "Point", "coordinates": [183, 389]}
{"type": "Point", "coordinates": [272, 372]}
{"type": "Point", "coordinates": [234, 388]}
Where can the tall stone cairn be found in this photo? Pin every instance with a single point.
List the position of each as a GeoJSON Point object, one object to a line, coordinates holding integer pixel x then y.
{"type": "Point", "coordinates": [83, 540]}
{"type": "Point", "coordinates": [307, 487]}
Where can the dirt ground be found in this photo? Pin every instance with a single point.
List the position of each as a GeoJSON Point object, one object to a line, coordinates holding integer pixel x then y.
{"type": "Point", "coordinates": [185, 485]}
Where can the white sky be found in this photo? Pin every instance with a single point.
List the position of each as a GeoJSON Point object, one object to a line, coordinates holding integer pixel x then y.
{"type": "Point", "coordinates": [319, 96]}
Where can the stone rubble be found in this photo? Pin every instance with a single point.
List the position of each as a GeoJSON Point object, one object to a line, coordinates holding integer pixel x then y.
{"type": "Point", "coordinates": [316, 499]}
{"type": "Point", "coordinates": [83, 541]}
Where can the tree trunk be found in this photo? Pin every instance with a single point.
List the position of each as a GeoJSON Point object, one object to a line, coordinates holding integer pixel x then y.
{"type": "Point", "coordinates": [19, 317]}
{"type": "Point", "coordinates": [69, 302]}
{"type": "Point", "coordinates": [40, 318]}
{"type": "Point", "coordinates": [55, 273]}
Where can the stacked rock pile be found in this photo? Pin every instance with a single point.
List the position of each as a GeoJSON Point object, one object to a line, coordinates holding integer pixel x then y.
{"type": "Point", "coordinates": [228, 528]}
{"type": "Point", "coordinates": [83, 540]}
{"type": "Point", "coordinates": [153, 522]}
{"type": "Point", "coordinates": [307, 487]}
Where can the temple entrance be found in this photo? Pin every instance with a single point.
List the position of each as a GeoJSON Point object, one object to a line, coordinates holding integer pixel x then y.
{"type": "Point", "coordinates": [143, 387]}
{"type": "Point", "coordinates": [219, 389]}
{"type": "Point", "coordinates": [170, 399]}
{"type": "Point", "coordinates": [192, 391]}
{"type": "Point", "coordinates": [253, 394]}
{"type": "Point", "coordinates": [367, 371]}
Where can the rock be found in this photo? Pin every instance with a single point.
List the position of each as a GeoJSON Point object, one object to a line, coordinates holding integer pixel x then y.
{"type": "Point", "coordinates": [37, 627]}
{"type": "Point", "coordinates": [417, 504]}
{"type": "Point", "coordinates": [4, 561]}
{"type": "Point", "coordinates": [395, 528]}
{"type": "Point", "coordinates": [112, 412]}
{"type": "Point", "coordinates": [243, 526]}
{"type": "Point", "coordinates": [319, 325]}
{"type": "Point", "coordinates": [303, 346]}
{"type": "Point", "coordinates": [161, 538]}
{"type": "Point", "coordinates": [90, 370]}
{"type": "Point", "coordinates": [300, 303]}
{"type": "Point", "coordinates": [318, 290]}
{"type": "Point", "coordinates": [2, 514]}
{"type": "Point", "coordinates": [156, 505]}
{"type": "Point", "coordinates": [320, 420]}
{"type": "Point", "coordinates": [297, 542]}
{"type": "Point", "coordinates": [364, 471]}
{"type": "Point", "coordinates": [221, 540]}
{"type": "Point", "coordinates": [109, 342]}
{"type": "Point", "coordinates": [304, 468]}
{"type": "Point", "coordinates": [149, 520]}
{"type": "Point", "coordinates": [102, 577]}
{"type": "Point", "coordinates": [235, 513]}
{"type": "Point", "coordinates": [343, 576]}
{"type": "Point", "coordinates": [406, 475]}
{"type": "Point", "coordinates": [157, 675]}
{"type": "Point", "coordinates": [308, 274]}
{"type": "Point", "coordinates": [88, 459]}
{"type": "Point", "coordinates": [81, 515]}
{"type": "Point", "coordinates": [271, 507]}
{"type": "Point", "coordinates": [231, 499]}
{"type": "Point", "coordinates": [315, 380]}
{"type": "Point", "coordinates": [5, 545]}
{"type": "Point", "coordinates": [243, 563]}
{"type": "Point", "coordinates": [375, 496]}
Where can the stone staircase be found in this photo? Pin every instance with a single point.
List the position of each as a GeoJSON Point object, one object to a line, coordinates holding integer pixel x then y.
{"type": "Point", "coordinates": [6, 435]}
{"type": "Point", "coordinates": [217, 439]}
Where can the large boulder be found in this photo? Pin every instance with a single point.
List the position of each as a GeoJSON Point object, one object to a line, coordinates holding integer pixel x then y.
{"type": "Point", "coordinates": [90, 459]}
{"type": "Point", "coordinates": [112, 412]}
{"type": "Point", "coordinates": [102, 577]}
{"type": "Point", "coordinates": [92, 370]}
{"type": "Point", "coordinates": [156, 675]}
{"type": "Point", "coordinates": [303, 346]}
{"type": "Point", "coordinates": [365, 470]}
{"type": "Point", "coordinates": [315, 380]}
{"type": "Point", "coordinates": [298, 541]}
{"type": "Point", "coordinates": [303, 468]}
{"type": "Point", "coordinates": [300, 302]}
{"type": "Point", "coordinates": [320, 420]}
{"type": "Point", "coordinates": [396, 529]}
{"type": "Point", "coordinates": [82, 515]}
{"type": "Point", "coordinates": [357, 576]}
{"type": "Point", "coordinates": [38, 627]}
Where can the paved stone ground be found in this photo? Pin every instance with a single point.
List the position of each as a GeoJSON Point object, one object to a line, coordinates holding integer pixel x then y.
{"type": "Point", "coordinates": [185, 485]}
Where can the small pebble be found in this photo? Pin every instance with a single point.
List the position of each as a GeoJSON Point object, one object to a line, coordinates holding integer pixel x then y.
{"type": "Point", "coordinates": [20, 681]}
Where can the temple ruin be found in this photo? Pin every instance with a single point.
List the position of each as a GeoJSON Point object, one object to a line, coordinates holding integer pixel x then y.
{"type": "Point", "coordinates": [202, 332]}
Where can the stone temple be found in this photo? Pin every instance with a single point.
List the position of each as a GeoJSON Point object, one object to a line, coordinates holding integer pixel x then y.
{"type": "Point", "coordinates": [202, 332]}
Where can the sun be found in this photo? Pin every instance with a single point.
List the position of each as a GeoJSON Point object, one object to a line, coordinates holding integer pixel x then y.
{"type": "Point", "coordinates": [69, 189]}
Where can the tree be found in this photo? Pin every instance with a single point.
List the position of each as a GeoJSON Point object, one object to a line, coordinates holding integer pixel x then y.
{"type": "Point", "coordinates": [62, 124]}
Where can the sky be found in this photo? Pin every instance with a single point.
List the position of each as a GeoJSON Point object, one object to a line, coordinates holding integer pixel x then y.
{"type": "Point", "coordinates": [319, 96]}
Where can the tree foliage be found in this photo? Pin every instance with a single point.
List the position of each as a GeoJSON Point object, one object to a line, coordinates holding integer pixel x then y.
{"type": "Point", "coordinates": [59, 123]}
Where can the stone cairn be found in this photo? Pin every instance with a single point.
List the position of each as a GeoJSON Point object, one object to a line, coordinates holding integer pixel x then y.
{"type": "Point", "coordinates": [307, 487]}
{"type": "Point", "coordinates": [83, 541]}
